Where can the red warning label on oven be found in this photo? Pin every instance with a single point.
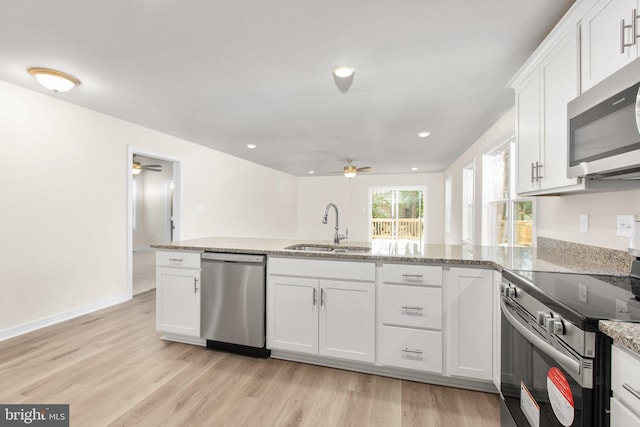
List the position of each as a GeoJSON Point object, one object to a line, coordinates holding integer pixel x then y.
{"type": "Point", "coordinates": [560, 396]}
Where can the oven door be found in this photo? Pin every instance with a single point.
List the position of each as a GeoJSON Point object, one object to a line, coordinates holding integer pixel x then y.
{"type": "Point", "coordinates": [536, 382]}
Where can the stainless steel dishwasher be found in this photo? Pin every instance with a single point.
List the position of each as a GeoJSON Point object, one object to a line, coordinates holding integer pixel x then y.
{"type": "Point", "coordinates": [233, 303]}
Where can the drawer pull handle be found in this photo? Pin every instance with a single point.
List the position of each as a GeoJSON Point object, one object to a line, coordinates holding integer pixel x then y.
{"type": "Point", "coordinates": [408, 350]}
{"type": "Point", "coordinates": [315, 298]}
{"type": "Point", "coordinates": [176, 259]}
{"type": "Point", "coordinates": [412, 277]}
{"type": "Point", "coordinates": [631, 390]}
{"type": "Point", "coordinates": [412, 307]}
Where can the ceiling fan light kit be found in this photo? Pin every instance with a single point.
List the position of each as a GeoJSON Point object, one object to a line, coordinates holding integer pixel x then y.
{"type": "Point", "coordinates": [54, 80]}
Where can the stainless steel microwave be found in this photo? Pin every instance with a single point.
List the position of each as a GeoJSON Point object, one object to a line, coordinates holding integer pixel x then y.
{"type": "Point", "coordinates": [604, 128]}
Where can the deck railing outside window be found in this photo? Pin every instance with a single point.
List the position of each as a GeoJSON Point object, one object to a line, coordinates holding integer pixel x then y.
{"type": "Point", "coordinates": [407, 228]}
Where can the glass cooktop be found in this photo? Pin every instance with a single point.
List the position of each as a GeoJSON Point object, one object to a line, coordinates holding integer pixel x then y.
{"type": "Point", "coordinates": [583, 298]}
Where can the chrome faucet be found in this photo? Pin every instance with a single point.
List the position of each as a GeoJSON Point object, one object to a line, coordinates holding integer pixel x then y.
{"type": "Point", "coordinates": [337, 236]}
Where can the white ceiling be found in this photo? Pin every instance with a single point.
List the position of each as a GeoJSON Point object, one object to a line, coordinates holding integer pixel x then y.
{"type": "Point", "coordinates": [225, 74]}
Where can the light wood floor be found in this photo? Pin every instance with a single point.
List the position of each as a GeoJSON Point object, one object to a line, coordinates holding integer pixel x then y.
{"type": "Point", "coordinates": [112, 368]}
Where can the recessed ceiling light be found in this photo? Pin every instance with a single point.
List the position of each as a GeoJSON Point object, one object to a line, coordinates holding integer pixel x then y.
{"type": "Point", "coordinates": [311, 172]}
{"type": "Point", "coordinates": [343, 71]}
{"type": "Point", "coordinates": [424, 134]}
{"type": "Point", "coordinates": [251, 146]}
{"type": "Point", "coordinates": [414, 169]}
{"type": "Point", "coordinates": [54, 80]}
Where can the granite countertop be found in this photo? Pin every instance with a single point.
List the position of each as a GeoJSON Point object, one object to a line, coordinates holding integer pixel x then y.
{"type": "Point", "coordinates": [627, 333]}
{"type": "Point", "coordinates": [497, 257]}
{"type": "Point", "coordinates": [549, 259]}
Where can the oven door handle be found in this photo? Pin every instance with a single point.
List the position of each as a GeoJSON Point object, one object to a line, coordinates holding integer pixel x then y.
{"type": "Point", "coordinates": [565, 361]}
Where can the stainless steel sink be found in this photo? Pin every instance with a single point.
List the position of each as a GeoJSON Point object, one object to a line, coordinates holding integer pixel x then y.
{"type": "Point", "coordinates": [329, 248]}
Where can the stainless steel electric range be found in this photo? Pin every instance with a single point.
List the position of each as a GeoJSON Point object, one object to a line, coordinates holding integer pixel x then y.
{"type": "Point", "coordinates": [555, 364]}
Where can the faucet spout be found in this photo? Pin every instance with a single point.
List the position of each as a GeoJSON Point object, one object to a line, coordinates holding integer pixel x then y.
{"type": "Point", "coordinates": [337, 237]}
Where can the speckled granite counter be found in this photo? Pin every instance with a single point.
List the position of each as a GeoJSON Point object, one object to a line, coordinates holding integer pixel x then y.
{"type": "Point", "coordinates": [626, 333]}
{"type": "Point", "coordinates": [495, 257]}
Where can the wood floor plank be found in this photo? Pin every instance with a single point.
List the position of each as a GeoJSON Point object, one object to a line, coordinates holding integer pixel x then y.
{"type": "Point", "coordinates": [114, 370]}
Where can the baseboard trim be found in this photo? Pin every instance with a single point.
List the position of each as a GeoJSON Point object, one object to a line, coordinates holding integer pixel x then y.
{"type": "Point", "coordinates": [15, 331]}
{"type": "Point", "coordinates": [402, 374]}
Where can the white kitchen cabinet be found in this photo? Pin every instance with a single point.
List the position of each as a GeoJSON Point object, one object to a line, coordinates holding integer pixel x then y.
{"type": "Point", "coordinates": [497, 321]}
{"type": "Point", "coordinates": [625, 384]}
{"type": "Point", "coordinates": [411, 317]}
{"type": "Point", "coordinates": [293, 314]}
{"type": "Point", "coordinates": [178, 295]}
{"type": "Point", "coordinates": [602, 38]}
{"type": "Point", "coordinates": [328, 312]}
{"type": "Point", "coordinates": [347, 320]}
{"type": "Point", "coordinates": [541, 119]}
{"type": "Point", "coordinates": [469, 333]}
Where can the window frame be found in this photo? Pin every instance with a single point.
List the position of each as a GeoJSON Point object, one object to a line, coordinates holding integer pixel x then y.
{"type": "Point", "coordinates": [468, 206]}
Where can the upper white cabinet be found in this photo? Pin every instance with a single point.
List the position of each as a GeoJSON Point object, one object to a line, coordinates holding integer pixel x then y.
{"type": "Point", "coordinates": [321, 307]}
{"type": "Point", "coordinates": [470, 323]}
{"type": "Point", "coordinates": [541, 118]}
{"type": "Point", "coordinates": [178, 295]}
{"type": "Point", "coordinates": [608, 42]}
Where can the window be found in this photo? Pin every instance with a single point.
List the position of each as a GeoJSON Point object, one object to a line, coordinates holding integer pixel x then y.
{"type": "Point", "coordinates": [507, 220]}
{"type": "Point", "coordinates": [397, 215]}
{"type": "Point", "coordinates": [467, 202]}
{"type": "Point", "coordinates": [447, 205]}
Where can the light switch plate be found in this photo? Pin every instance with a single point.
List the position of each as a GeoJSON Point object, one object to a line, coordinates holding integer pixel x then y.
{"type": "Point", "coordinates": [625, 224]}
{"type": "Point", "coordinates": [584, 223]}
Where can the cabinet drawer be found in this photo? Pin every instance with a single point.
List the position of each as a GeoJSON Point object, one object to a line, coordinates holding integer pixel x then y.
{"type": "Point", "coordinates": [413, 274]}
{"type": "Point", "coordinates": [415, 306]}
{"type": "Point", "coordinates": [625, 375]}
{"type": "Point", "coordinates": [412, 349]}
{"type": "Point", "coordinates": [621, 416]}
{"type": "Point", "coordinates": [178, 259]}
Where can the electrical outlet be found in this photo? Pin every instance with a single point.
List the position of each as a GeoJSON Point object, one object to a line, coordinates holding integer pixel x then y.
{"type": "Point", "coordinates": [584, 223]}
{"type": "Point", "coordinates": [622, 311]}
{"type": "Point", "coordinates": [625, 224]}
{"type": "Point", "coordinates": [582, 292]}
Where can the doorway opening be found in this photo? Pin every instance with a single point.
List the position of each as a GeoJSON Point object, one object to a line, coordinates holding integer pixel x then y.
{"type": "Point", "coordinates": [153, 213]}
{"type": "Point", "coordinates": [397, 216]}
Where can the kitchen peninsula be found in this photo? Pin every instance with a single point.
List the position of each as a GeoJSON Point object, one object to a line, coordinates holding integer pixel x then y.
{"type": "Point", "coordinates": [426, 313]}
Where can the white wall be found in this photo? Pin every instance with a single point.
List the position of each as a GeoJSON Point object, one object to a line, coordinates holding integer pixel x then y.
{"type": "Point", "coordinates": [558, 217]}
{"type": "Point", "coordinates": [499, 133]}
{"type": "Point", "coordinates": [64, 219]}
{"type": "Point", "coordinates": [352, 198]}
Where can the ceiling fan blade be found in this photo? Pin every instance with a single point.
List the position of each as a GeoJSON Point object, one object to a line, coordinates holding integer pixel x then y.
{"type": "Point", "coordinates": [151, 169]}
{"type": "Point", "coordinates": [364, 169]}
{"type": "Point", "coordinates": [152, 166]}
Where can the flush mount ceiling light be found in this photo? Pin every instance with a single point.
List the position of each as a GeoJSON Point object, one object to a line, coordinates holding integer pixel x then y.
{"type": "Point", "coordinates": [251, 146]}
{"type": "Point", "coordinates": [424, 134]}
{"type": "Point", "coordinates": [312, 172]}
{"type": "Point", "coordinates": [343, 71]}
{"type": "Point", "coordinates": [54, 80]}
{"type": "Point", "coordinates": [414, 169]}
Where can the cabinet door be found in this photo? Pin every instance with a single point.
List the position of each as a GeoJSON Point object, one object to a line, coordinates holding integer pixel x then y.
{"type": "Point", "coordinates": [559, 73]}
{"type": "Point", "coordinates": [470, 327]}
{"type": "Point", "coordinates": [528, 132]}
{"type": "Point", "coordinates": [178, 301]}
{"type": "Point", "coordinates": [347, 320]}
{"type": "Point", "coordinates": [622, 416]}
{"type": "Point", "coordinates": [293, 314]}
{"type": "Point", "coordinates": [601, 40]}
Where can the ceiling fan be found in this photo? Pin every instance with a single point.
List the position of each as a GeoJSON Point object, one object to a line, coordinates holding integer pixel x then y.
{"type": "Point", "coordinates": [138, 167]}
{"type": "Point", "coordinates": [351, 170]}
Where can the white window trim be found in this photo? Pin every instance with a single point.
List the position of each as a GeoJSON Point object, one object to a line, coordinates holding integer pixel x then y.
{"type": "Point", "coordinates": [468, 239]}
{"type": "Point", "coordinates": [448, 193]}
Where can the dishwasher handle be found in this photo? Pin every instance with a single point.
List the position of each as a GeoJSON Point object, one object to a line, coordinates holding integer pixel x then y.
{"type": "Point", "coordinates": [246, 258]}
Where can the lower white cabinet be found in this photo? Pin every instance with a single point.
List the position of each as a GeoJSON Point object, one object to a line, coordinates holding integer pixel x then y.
{"type": "Point", "coordinates": [178, 293]}
{"type": "Point", "coordinates": [470, 323]}
{"type": "Point", "coordinates": [411, 317]}
{"type": "Point", "coordinates": [412, 349]}
{"type": "Point", "coordinates": [319, 315]}
{"type": "Point", "coordinates": [625, 385]}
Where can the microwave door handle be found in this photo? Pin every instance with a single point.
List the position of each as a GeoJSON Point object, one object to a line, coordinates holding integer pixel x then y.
{"type": "Point", "coordinates": [562, 359]}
